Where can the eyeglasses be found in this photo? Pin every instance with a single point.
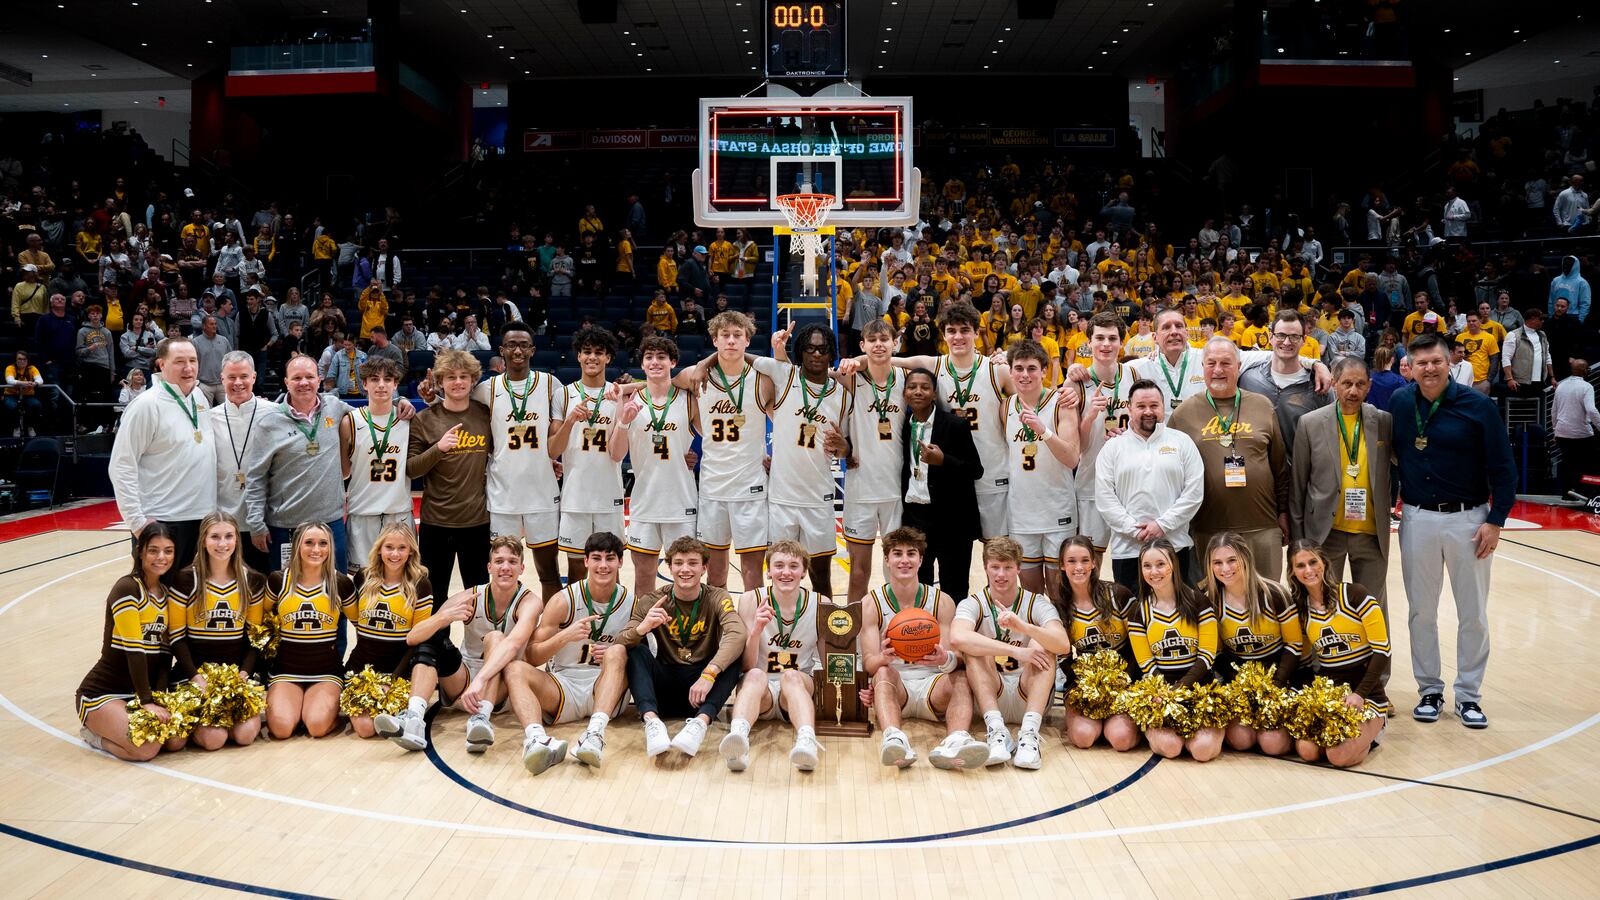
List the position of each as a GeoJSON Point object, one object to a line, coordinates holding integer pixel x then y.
{"type": "Point", "coordinates": [815, 348]}
{"type": "Point", "coordinates": [1288, 338]}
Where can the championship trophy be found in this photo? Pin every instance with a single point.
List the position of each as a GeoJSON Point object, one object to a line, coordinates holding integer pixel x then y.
{"type": "Point", "coordinates": [839, 709]}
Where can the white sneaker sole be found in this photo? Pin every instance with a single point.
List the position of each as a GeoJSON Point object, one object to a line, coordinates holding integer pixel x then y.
{"type": "Point", "coordinates": [974, 755]}
{"type": "Point", "coordinates": [1021, 763]}
{"type": "Point", "coordinates": [803, 760]}
{"type": "Point", "coordinates": [414, 745]}
{"type": "Point", "coordinates": [656, 749]}
{"type": "Point", "coordinates": [387, 726]}
{"type": "Point", "coordinates": [589, 756]}
{"type": "Point", "coordinates": [735, 750]}
{"type": "Point", "coordinates": [480, 736]}
{"type": "Point", "coordinates": [896, 755]}
{"type": "Point", "coordinates": [537, 759]}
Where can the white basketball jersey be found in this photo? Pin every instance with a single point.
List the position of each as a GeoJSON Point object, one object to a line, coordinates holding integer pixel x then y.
{"type": "Point", "coordinates": [522, 478]}
{"type": "Point", "coordinates": [927, 597]}
{"type": "Point", "coordinates": [484, 619]}
{"type": "Point", "coordinates": [1177, 383]}
{"type": "Point", "coordinates": [802, 474]}
{"type": "Point", "coordinates": [791, 644]}
{"type": "Point", "coordinates": [378, 486]}
{"type": "Point", "coordinates": [1116, 417]}
{"type": "Point", "coordinates": [877, 429]}
{"type": "Point", "coordinates": [1043, 499]}
{"type": "Point", "coordinates": [981, 610]}
{"type": "Point", "coordinates": [663, 485]}
{"type": "Point", "coordinates": [733, 439]}
{"type": "Point", "coordinates": [581, 604]}
{"type": "Point", "coordinates": [976, 396]}
{"type": "Point", "coordinates": [590, 481]}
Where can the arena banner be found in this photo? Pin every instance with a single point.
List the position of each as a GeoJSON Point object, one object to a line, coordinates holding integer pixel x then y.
{"type": "Point", "coordinates": [610, 139]}
{"type": "Point", "coordinates": [985, 137]}
{"type": "Point", "coordinates": [1086, 138]}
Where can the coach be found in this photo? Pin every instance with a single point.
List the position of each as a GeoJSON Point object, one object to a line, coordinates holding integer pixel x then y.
{"type": "Point", "coordinates": [1339, 487]}
{"type": "Point", "coordinates": [1457, 484]}
{"type": "Point", "coordinates": [1149, 481]}
{"type": "Point", "coordinates": [161, 446]}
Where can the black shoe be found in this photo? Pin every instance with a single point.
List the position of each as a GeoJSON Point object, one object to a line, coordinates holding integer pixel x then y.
{"type": "Point", "coordinates": [1429, 708]}
{"type": "Point", "coordinates": [1471, 715]}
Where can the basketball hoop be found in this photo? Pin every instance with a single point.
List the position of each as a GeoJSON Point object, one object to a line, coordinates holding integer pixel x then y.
{"type": "Point", "coordinates": [806, 213]}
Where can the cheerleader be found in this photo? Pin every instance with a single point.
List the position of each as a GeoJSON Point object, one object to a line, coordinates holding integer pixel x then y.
{"type": "Point", "coordinates": [219, 595]}
{"type": "Point", "coordinates": [134, 656]}
{"type": "Point", "coordinates": [1348, 638]}
{"type": "Point", "coordinates": [1173, 633]}
{"type": "Point", "coordinates": [1255, 623]}
{"type": "Point", "coordinates": [1096, 613]}
{"type": "Point", "coordinates": [306, 600]}
{"type": "Point", "coordinates": [395, 595]}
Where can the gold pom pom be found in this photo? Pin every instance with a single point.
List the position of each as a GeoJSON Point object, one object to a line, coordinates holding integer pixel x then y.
{"type": "Point", "coordinates": [264, 637]}
{"type": "Point", "coordinates": [1318, 713]}
{"type": "Point", "coordinates": [1151, 703]}
{"type": "Point", "coordinates": [1208, 705]}
{"type": "Point", "coordinates": [1258, 700]}
{"type": "Point", "coordinates": [1097, 680]}
{"type": "Point", "coordinates": [229, 697]}
{"type": "Point", "coordinates": [181, 705]}
{"type": "Point", "coordinates": [369, 693]}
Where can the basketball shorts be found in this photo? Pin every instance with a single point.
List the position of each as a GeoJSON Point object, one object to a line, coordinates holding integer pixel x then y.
{"type": "Point", "coordinates": [739, 525]}
{"type": "Point", "coordinates": [361, 534]}
{"type": "Point", "coordinates": [774, 680]}
{"type": "Point", "coordinates": [537, 529]}
{"type": "Point", "coordinates": [1091, 524]}
{"type": "Point", "coordinates": [577, 526]}
{"type": "Point", "coordinates": [865, 520]}
{"type": "Point", "coordinates": [1013, 698]}
{"type": "Point", "coordinates": [576, 686]}
{"type": "Point", "coordinates": [651, 538]}
{"type": "Point", "coordinates": [919, 687]}
{"type": "Point", "coordinates": [1043, 549]}
{"type": "Point", "coordinates": [813, 526]}
{"type": "Point", "coordinates": [992, 514]}
{"type": "Point", "coordinates": [473, 665]}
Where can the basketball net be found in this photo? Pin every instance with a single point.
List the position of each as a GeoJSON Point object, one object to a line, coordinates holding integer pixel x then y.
{"type": "Point", "coordinates": [806, 212]}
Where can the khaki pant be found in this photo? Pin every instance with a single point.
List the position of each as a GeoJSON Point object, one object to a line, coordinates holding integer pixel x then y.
{"type": "Point", "coordinates": [1368, 567]}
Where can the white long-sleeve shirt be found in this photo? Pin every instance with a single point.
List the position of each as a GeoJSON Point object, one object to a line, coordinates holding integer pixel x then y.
{"type": "Point", "coordinates": [1509, 351]}
{"type": "Point", "coordinates": [159, 472]}
{"type": "Point", "coordinates": [1575, 413]}
{"type": "Point", "coordinates": [1569, 203]}
{"type": "Point", "coordinates": [1160, 478]}
{"type": "Point", "coordinates": [1456, 215]}
{"type": "Point", "coordinates": [232, 426]}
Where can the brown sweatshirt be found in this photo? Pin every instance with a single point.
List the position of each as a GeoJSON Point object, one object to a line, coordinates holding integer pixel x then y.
{"type": "Point", "coordinates": [715, 631]}
{"type": "Point", "coordinates": [454, 484]}
{"type": "Point", "coordinates": [1255, 438]}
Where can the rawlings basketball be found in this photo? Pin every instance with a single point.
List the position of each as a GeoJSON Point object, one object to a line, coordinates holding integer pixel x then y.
{"type": "Point", "coordinates": [913, 632]}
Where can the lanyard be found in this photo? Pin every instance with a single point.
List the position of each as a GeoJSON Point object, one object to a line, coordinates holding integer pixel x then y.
{"type": "Point", "coordinates": [894, 602]}
{"type": "Point", "coordinates": [727, 386]}
{"type": "Point", "coordinates": [592, 402]}
{"type": "Point", "coordinates": [681, 624]}
{"type": "Point", "coordinates": [807, 408]}
{"type": "Point", "coordinates": [916, 435]}
{"type": "Point", "coordinates": [1027, 433]}
{"type": "Point", "coordinates": [777, 615]}
{"type": "Point", "coordinates": [379, 447]}
{"type": "Point", "coordinates": [657, 423]}
{"type": "Point", "coordinates": [963, 382]}
{"type": "Point", "coordinates": [882, 401]}
{"type": "Point", "coordinates": [238, 451]}
{"type": "Point", "coordinates": [596, 629]}
{"type": "Point", "coordinates": [192, 411]}
{"type": "Point", "coordinates": [518, 410]}
{"type": "Point", "coordinates": [1422, 423]}
{"type": "Point", "coordinates": [1352, 449]}
{"type": "Point", "coordinates": [310, 431]}
{"type": "Point", "coordinates": [1224, 425]}
{"type": "Point", "coordinates": [1175, 386]}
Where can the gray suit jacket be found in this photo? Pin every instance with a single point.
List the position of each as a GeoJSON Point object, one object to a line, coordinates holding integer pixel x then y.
{"type": "Point", "coordinates": [1318, 463]}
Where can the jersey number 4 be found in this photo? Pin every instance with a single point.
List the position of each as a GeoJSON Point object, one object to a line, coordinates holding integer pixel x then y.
{"type": "Point", "coordinates": [383, 470]}
{"type": "Point", "coordinates": [518, 437]}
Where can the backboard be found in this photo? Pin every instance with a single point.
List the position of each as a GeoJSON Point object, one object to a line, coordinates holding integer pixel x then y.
{"type": "Point", "coordinates": [754, 148]}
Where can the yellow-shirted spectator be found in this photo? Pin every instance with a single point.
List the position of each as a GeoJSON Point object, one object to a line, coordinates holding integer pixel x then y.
{"type": "Point", "coordinates": [1481, 347]}
{"type": "Point", "coordinates": [1029, 296]}
{"type": "Point", "coordinates": [1354, 277]}
{"type": "Point", "coordinates": [954, 190]}
{"type": "Point", "coordinates": [625, 255]}
{"type": "Point", "coordinates": [661, 315]}
{"type": "Point", "coordinates": [720, 254]}
{"type": "Point", "coordinates": [1421, 321]}
{"type": "Point", "coordinates": [667, 272]}
{"type": "Point", "coordinates": [844, 296]}
{"type": "Point", "coordinates": [1141, 341]}
{"type": "Point", "coordinates": [1263, 280]}
{"type": "Point", "coordinates": [324, 248]}
{"type": "Point", "coordinates": [1256, 337]}
{"type": "Point", "coordinates": [374, 307]}
{"type": "Point", "coordinates": [590, 223]}
{"type": "Point", "coordinates": [1311, 348]}
{"type": "Point", "coordinates": [1113, 262]}
{"type": "Point", "coordinates": [88, 244]}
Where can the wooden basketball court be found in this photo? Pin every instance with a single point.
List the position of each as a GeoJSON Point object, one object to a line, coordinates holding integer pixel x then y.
{"type": "Point", "coordinates": [1512, 811]}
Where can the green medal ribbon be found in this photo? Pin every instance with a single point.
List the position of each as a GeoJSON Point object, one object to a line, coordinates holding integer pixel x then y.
{"type": "Point", "coordinates": [727, 386]}
{"type": "Point", "coordinates": [1001, 634]}
{"type": "Point", "coordinates": [807, 408]}
{"type": "Point", "coordinates": [894, 602]}
{"type": "Point", "coordinates": [518, 410]}
{"type": "Point", "coordinates": [799, 608]}
{"type": "Point", "coordinates": [883, 400]}
{"type": "Point", "coordinates": [1422, 423]}
{"type": "Point", "coordinates": [657, 423]}
{"type": "Point", "coordinates": [963, 382]}
{"type": "Point", "coordinates": [596, 629]}
{"type": "Point", "coordinates": [682, 624]}
{"type": "Point", "coordinates": [379, 447]}
{"type": "Point", "coordinates": [192, 411]}
{"type": "Point", "coordinates": [1225, 424]}
{"type": "Point", "coordinates": [592, 402]}
{"type": "Point", "coordinates": [1352, 449]}
{"type": "Point", "coordinates": [1176, 387]}
{"type": "Point", "coordinates": [1027, 433]}
{"type": "Point", "coordinates": [310, 430]}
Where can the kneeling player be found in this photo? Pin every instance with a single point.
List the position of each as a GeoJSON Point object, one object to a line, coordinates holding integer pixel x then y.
{"type": "Point", "coordinates": [1010, 638]}
{"type": "Point", "coordinates": [780, 659]}
{"type": "Point", "coordinates": [585, 672]}
{"type": "Point", "coordinates": [928, 688]}
{"type": "Point", "coordinates": [490, 613]}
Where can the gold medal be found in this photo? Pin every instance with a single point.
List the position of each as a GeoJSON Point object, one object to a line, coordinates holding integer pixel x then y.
{"type": "Point", "coordinates": [1352, 470]}
{"type": "Point", "coordinates": [1421, 442]}
{"type": "Point", "coordinates": [1226, 440]}
{"type": "Point", "coordinates": [658, 442]}
{"type": "Point", "coordinates": [238, 478]}
{"type": "Point", "coordinates": [885, 429]}
{"type": "Point", "coordinates": [588, 436]}
{"type": "Point", "coordinates": [197, 436]}
{"type": "Point", "coordinates": [1030, 450]}
{"type": "Point", "coordinates": [313, 448]}
{"type": "Point", "coordinates": [736, 421]}
{"type": "Point", "coordinates": [808, 433]}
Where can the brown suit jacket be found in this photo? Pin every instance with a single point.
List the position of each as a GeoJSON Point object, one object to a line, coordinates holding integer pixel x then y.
{"type": "Point", "coordinates": [1318, 463]}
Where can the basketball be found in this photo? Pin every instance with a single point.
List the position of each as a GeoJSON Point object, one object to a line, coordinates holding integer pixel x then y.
{"type": "Point", "coordinates": [914, 633]}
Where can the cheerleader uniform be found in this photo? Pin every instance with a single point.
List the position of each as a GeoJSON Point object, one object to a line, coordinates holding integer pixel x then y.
{"type": "Point", "coordinates": [1277, 639]}
{"type": "Point", "coordinates": [1094, 631]}
{"type": "Point", "coordinates": [383, 618]}
{"type": "Point", "coordinates": [1349, 643]}
{"type": "Point", "coordinates": [134, 649]}
{"type": "Point", "coordinates": [214, 617]}
{"type": "Point", "coordinates": [1167, 645]}
{"type": "Point", "coordinates": [308, 627]}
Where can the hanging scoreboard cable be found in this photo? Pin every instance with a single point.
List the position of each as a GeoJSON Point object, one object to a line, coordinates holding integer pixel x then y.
{"type": "Point", "coordinates": [805, 40]}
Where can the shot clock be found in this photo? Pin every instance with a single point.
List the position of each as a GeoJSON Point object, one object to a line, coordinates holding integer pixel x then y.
{"type": "Point", "coordinates": [805, 40]}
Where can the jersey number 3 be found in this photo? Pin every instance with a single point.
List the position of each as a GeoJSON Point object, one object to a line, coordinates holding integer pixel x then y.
{"type": "Point", "coordinates": [724, 430]}
{"type": "Point", "coordinates": [383, 470]}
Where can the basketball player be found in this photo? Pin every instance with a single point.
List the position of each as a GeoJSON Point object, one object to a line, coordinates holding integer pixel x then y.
{"type": "Point", "coordinates": [1010, 638]}
{"type": "Point", "coordinates": [1105, 415]}
{"type": "Point", "coordinates": [523, 494]}
{"type": "Point", "coordinates": [875, 430]}
{"type": "Point", "coordinates": [655, 428]}
{"type": "Point", "coordinates": [733, 476]}
{"type": "Point", "coordinates": [974, 388]}
{"type": "Point", "coordinates": [488, 613]}
{"type": "Point", "coordinates": [379, 493]}
{"type": "Point", "coordinates": [780, 658]}
{"type": "Point", "coordinates": [932, 687]}
{"type": "Point", "coordinates": [1040, 454]}
{"type": "Point", "coordinates": [591, 482]}
{"type": "Point", "coordinates": [585, 671]}
{"type": "Point", "coordinates": [807, 411]}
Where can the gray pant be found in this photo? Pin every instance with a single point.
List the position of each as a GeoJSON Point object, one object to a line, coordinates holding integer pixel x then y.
{"type": "Point", "coordinates": [1368, 567]}
{"type": "Point", "coordinates": [1433, 544]}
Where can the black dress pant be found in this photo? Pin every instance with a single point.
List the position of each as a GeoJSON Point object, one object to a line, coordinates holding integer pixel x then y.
{"type": "Point", "coordinates": [952, 551]}
{"type": "Point", "coordinates": [662, 687]}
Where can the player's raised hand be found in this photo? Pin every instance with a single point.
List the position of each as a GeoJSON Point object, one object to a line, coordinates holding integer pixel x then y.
{"type": "Point", "coordinates": [631, 410]}
{"type": "Point", "coordinates": [1009, 620]}
{"type": "Point", "coordinates": [654, 617]}
{"type": "Point", "coordinates": [451, 438]}
{"type": "Point", "coordinates": [1030, 420]}
{"type": "Point", "coordinates": [764, 615]}
{"type": "Point", "coordinates": [426, 389]}
{"type": "Point", "coordinates": [578, 630]}
{"type": "Point", "coordinates": [578, 413]}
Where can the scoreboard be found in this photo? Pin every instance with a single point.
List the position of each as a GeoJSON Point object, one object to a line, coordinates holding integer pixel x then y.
{"type": "Point", "coordinates": [805, 40]}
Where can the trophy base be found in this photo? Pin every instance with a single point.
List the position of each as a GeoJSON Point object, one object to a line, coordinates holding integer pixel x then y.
{"type": "Point", "coordinates": [844, 729]}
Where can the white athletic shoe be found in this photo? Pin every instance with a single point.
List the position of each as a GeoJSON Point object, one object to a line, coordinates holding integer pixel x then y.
{"type": "Point", "coordinates": [735, 750]}
{"type": "Point", "coordinates": [1000, 747]}
{"type": "Point", "coordinates": [390, 726]}
{"type": "Point", "coordinates": [480, 733]}
{"type": "Point", "coordinates": [896, 751]}
{"type": "Point", "coordinates": [539, 754]}
{"type": "Point", "coordinates": [960, 750]}
{"type": "Point", "coordinates": [1027, 756]}
{"type": "Point", "coordinates": [90, 738]}
{"type": "Point", "coordinates": [804, 754]}
{"type": "Point", "coordinates": [413, 734]}
{"type": "Point", "coordinates": [656, 741]}
{"type": "Point", "coordinates": [591, 749]}
{"type": "Point", "coordinates": [687, 740]}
